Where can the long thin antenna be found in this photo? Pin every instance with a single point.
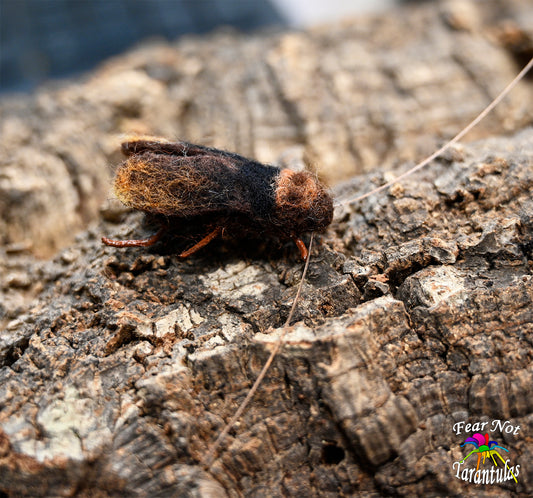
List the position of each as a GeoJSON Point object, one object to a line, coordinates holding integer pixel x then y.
{"type": "Point", "coordinates": [277, 348]}
{"type": "Point", "coordinates": [279, 344]}
{"type": "Point", "coordinates": [446, 146]}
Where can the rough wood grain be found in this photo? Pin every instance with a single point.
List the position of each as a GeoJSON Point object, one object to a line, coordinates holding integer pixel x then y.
{"type": "Point", "coordinates": [417, 311]}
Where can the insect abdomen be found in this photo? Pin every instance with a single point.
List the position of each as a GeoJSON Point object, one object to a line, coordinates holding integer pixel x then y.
{"type": "Point", "coordinates": [194, 185]}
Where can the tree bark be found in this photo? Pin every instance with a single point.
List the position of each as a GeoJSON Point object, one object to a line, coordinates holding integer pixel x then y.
{"type": "Point", "coordinates": [118, 368]}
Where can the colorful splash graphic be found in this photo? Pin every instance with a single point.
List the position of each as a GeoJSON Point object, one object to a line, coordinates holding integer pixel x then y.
{"type": "Point", "coordinates": [486, 449]}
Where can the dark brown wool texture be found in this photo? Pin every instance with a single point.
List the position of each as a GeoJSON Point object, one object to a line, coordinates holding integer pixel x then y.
{"type": "Point", "coordinates": [184, 181]}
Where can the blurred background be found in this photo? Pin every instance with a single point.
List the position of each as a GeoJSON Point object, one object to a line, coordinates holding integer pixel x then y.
{"type": "Point", "coordinates": [44, 39]}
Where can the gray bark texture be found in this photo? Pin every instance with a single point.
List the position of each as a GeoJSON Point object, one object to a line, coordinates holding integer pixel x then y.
{"type": "Point", "coordinates": [119, 368]}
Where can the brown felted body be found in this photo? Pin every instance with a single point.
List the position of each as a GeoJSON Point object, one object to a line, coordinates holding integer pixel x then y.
{"type": "Point", "coordinates": [180, 181]}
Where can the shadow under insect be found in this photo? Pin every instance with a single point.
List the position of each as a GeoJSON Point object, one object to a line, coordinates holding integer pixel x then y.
{"type": "Point", "coordinates": [183, 236]}
{"type": "Point", "coordinates": [186, 187]}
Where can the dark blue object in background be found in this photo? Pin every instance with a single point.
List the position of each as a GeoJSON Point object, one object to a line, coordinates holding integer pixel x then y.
{"type": "Point", "coordinates": [42, 39]}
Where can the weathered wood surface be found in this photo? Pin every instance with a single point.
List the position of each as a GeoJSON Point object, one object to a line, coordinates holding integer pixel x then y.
{"type": "Point", "coordinates": [119, 368]}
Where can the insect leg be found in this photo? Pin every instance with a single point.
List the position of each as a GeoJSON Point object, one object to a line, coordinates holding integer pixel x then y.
{"type": "Point", "coordinates": [150, 241]}
{"type": "Point", "coordinates": [301, 246]}
{"type": "Point", "coordinates": [208, 238]}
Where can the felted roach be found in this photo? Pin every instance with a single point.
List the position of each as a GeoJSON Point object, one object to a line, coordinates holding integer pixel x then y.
{"type": "Point", "coordinates": [178, 183]}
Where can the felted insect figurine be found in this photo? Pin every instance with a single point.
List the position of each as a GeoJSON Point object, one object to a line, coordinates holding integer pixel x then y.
{"type": "Point", "coordinates": [179, 183]}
